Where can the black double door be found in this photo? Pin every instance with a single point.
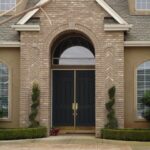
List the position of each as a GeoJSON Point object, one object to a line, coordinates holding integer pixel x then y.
{"type": "Point", "coordinates": [74, 98]}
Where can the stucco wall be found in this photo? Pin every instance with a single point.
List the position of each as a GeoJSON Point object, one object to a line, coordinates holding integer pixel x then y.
{"type": "Point", "coordinates": [11, 57]}
{"type": "Point", "coordinates": [133, 57]}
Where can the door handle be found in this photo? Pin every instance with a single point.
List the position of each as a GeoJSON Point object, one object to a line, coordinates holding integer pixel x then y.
{"type": "Point", "coordinates": [75, 106]}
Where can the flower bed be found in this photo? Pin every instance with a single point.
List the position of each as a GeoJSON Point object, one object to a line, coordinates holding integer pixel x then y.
{"type": "Point", "coordinates": [22, 133]}
{"type": "Point", "coordinates": [126, 134]}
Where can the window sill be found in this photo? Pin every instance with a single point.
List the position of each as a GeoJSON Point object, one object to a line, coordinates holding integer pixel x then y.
{"type": "Point", "coordinates": [138, 12]}
{"type": "Point", "coordinates": [140, 119]}
{"type": "Point", "coordinates": [5, 120]}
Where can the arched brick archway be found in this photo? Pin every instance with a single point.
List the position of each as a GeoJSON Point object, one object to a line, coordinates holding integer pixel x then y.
{"type": "Point", "coordinates": [45, 116]}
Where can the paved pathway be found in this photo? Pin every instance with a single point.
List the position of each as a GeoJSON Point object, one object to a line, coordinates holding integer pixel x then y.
{"type": "Point", "coordinates": [68, 142]}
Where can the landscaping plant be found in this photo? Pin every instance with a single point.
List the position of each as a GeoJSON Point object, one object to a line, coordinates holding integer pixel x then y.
{"type": "Point", "coordinates": [34, 107]}
{"type": "Point", "coordinates": [112, 120]}
{"type": "Point", "coordinates": [1, 112]}
{"type": "Point", "coordinates": [146, 102]}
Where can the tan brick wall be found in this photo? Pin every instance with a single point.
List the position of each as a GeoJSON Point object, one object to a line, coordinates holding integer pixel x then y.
{"type": "Point", "coordinates": [87, 17]}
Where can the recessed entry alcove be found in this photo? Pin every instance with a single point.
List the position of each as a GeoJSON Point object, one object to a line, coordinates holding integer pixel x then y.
{"type": "Point", "coordinates": [73, 82]}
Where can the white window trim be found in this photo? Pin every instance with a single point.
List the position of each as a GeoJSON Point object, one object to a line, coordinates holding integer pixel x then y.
{"type": "Point", "coordinates": [9, 93]}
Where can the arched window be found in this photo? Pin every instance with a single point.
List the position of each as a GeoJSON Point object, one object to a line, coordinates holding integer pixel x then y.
{"type": "Point", "coordinates": [73, 49]}
{"type": "Point", "coordinates": [143, 85]}
{"type": "Point", "coordinates": [4, 77]}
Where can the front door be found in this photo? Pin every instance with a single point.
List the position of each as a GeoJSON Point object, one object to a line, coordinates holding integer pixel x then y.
{"type": "Point", "coordinates": [73, 98]}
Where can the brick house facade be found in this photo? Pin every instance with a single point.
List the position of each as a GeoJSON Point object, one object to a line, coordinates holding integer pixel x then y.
{"type": "Point", "coordinates": [113, 60]}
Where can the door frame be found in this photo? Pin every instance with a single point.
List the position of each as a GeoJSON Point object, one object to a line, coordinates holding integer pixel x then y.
{"type": "Point", "coordinates": [68, 68]}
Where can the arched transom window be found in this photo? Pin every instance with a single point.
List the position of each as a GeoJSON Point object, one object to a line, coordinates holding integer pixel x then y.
{"type": "Point", "coordinates": [143, 85]}
{"type": "Point", "coordinates": [73, 49]}
{"type": "Point", "coordinates": [4, 77]}
{"type": "Point", "coordinates": [77, 55]}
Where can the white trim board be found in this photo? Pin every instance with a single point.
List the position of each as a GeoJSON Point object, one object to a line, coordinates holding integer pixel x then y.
{"type": "Point", "coordinates": [9, 44]}
{"type": "Point", "coordinates": [111, 12]}
{"type": "Point", "coordinates": [26, 27]}
{"type": "Point", "coordinates": [137, 43]}
{"type": "Point", "coordinates": [117, 27]}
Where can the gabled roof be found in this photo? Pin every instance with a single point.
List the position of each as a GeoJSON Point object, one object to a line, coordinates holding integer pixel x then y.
{"type": "Point", "coordinates": [102, 3]}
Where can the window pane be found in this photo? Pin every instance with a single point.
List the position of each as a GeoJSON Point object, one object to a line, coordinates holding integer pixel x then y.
{"type": "Point", "coordinates": [143, 85]}
{"type": "Point", "coordinates": [143, 4]}
{"type": "Point", "coordinates": [7, 4]}
{"type": "Point", "coordinates": [3, 91]}
{"type": "Point", "coordinates": [77, 55]}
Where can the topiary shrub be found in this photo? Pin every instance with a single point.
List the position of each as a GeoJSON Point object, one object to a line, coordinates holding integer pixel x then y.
{"type": "Point", "coordinates": [34, 107]}
{"type": "Point", "coordinates": [146, 101]}
{"type": "Point", "coordinates": [112, 120]}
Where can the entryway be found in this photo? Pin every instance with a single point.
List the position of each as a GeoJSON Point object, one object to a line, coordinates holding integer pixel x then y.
{"type": "Point", "coordinates": [74, 98]}
{"type": "Point", "coordinates": [73, 83]}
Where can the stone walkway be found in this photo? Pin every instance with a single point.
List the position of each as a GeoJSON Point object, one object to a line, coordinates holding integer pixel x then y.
{"type": "Point", "coordinates": [69, 142]}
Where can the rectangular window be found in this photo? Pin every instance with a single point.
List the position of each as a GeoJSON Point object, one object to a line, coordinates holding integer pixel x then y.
{"type": "Point", "coordinates": [143, 4]}
{"type": "Point", "coordinates": [3, 91]}
{"type": "Point", "coordinates": [6, 5]}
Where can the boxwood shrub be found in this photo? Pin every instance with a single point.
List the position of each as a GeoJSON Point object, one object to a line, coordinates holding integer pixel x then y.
{"type": "Point", "coordinates": [126, 134]}
{"type": "Point", "coordinates": [23, 133]}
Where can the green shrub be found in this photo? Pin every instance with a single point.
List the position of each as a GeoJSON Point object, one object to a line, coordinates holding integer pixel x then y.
{"type": "Point", "coordinates": [34, 106]}
{"type": "Point", "coordinates": [112, 120]}
{"type": "Point", "coordinates": [126, 134]}
{"type": "Point", "coordinates": [22, 133]}
{"type": "Point", "coordinates": [146, 99]}
{"type": "Point", "coordinates": [1, 112]}
{"type": "Point", "coordinates": [146, 114]}
{"type": "Point", "coordinates": [146, 102]}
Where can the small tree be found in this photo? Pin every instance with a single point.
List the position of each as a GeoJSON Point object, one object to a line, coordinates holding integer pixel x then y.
{"type": "Point", "coordinates": [34, 106]}
{"type": "Point", "coordinates": [112, 120]}
{"type": "Point", "coordinates": [146, 102]}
